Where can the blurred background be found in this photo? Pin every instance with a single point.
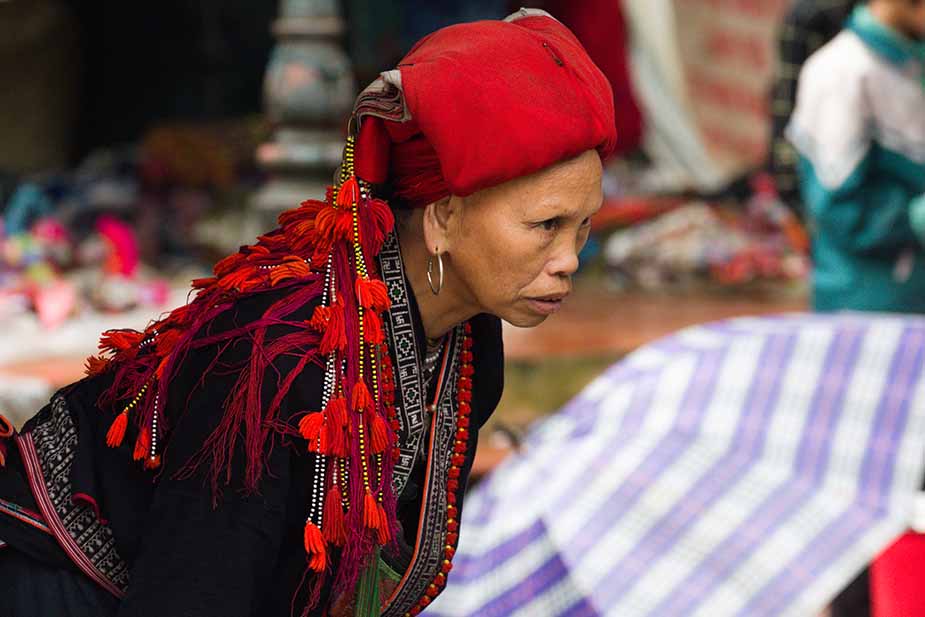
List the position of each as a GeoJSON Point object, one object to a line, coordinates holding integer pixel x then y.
{"type": "Point", "coordinates": [140, 143]}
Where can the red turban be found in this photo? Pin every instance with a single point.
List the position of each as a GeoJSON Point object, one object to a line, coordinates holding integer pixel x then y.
{"type": "Point", "coordinates": [474, 105]}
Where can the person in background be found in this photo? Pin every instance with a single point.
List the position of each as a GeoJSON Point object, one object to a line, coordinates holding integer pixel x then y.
{"type": "Point", "coordinates": [859, 131]}
{"type": "Point", "coordinates": [807, 26]}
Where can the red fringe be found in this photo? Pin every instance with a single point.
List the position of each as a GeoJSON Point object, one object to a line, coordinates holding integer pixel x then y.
{"type": "Point", "coordinates": [116, 433]}
{"type": "Point", "coordinates": [336, 441]}
{"type": "Point", "coordinates": [315, 548]}
{"type": "Point", "coordinates": [292, 267]}
{"type": "Point", "coordinates": [114, 341]}
{"type": "Point", "coordinates": [379, 435]}
{"type": "Point", "coordinates": [383, 532]}
{"type": "Point", "coordinates": [203, 283]}
{"type": "Point", "coordinates": [320, 318]}
{"type": "Point", "coordinates": [244, 279]}
{"type": "Point", "coordinates": [373, 333]}
{"type": "Point", "coordinates": [228, 264]}
{"type": "Point", "coordinates": [161, 367]}
{"type": "Point", "coordinates": [337, 411]}
{"type": "Point", "coordinates": [250, 423]}
{"type": "Point", "coordinates": [335, 529]}
{"type": "Point", "coordinates": [376, 222]}
{"type": "Point", "coordinates": [310, 426]}
{"type": "Point", "coordinates": [335, 334]}
{"type": "Point", "coordinates": [371, 512]}
{"type": "Point", "coordinates": [95, 365]}
{"type": "Point", "coordinates": [349, 193]}
{"type": "Point", "coordinates": [153, 462]}
{"type": "Point", "coordinates": [302, 219]}
{"type": "Point", "coordinates": [166, 341]}
{"type": "Point", "coordinates": [142, 445]}
{"type": "Point", "coordinates": [361, 397]}
{"type": "Point", "coordinates": [372, 294]}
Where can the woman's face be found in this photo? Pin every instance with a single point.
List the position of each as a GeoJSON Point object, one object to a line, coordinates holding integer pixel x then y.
{"type": "Point", "coordinates": [913, 19]}
{"type": "Point", "coordinates": [513, 248]}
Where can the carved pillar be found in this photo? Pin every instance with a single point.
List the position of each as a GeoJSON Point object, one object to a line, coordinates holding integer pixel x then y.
{"type": "Point", "coordinates": [309, 90]}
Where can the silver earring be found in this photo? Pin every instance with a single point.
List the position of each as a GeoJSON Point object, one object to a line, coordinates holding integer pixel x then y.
{"type": "Point", "coordinates": [430, 272]}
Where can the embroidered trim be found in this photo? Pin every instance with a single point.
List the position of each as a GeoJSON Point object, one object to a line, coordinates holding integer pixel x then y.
{"type": "Point", "coordinates": [48, 452]}
{"type": "Point", "coordinates": [409, 402]}
{"type": "Point", "coordinates": [23, 515]}
{"type": "Point", "coordinates": [427, 558]}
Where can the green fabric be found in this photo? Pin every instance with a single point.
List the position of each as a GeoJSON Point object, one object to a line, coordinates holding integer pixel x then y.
{"type": "Point", "coordinates": [886, 41]}
{"type": "Point", "coordinates": [368, 599]}
{"type": "Point", "coordinates": [861, 230]}
{"type": "Point", "coordinates": [917, 218]}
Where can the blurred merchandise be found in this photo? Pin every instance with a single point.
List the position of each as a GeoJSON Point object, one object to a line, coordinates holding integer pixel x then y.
{"type": "Point", "coordinates": [672, 243]}
{"type": "Point", "coordinates": [120, 230]}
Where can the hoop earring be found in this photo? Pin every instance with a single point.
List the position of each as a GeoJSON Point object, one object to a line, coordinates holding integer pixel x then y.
{"type": "Point", "coordinates": [435, 289]}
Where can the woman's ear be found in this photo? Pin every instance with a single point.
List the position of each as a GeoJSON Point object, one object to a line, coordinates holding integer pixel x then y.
{"type": "Point", "coordinates": [439, 219]}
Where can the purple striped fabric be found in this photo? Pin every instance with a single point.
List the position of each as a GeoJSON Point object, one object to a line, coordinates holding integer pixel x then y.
{"type": "Point", "coordinates": [749, 467]}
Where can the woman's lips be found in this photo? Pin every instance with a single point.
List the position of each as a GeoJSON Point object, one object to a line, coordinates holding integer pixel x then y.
{"type": "Point", "coordinates": [546, 306]}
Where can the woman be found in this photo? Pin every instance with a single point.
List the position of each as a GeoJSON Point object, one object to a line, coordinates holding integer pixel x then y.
{"type": "Point", "coordinates": [304, 428]}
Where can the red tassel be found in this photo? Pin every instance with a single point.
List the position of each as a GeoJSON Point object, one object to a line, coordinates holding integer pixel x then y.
{"type": "Point", "coordinates": [320, 318]}
{"type": "Point", "coordinates": [335, 334]}
{"type": "Point", "coordinates": [113, 341]}
{"type": "Point", "coordinates": [361, 396]}
{"type": "Point", "coordinates": [310, 426]}
{"type": "Point", "coordinates": [320, 445]}
{"type": "Point", "coordinates": [142, 445]}
{"type": "Point", "coordinates": [202, 283]}
{"type": "Point", "coordinates": [379, 436]}
{"type": "Point", "coordinates": [371, 512]}
{"type": "Point", "coordinates": [384, 533]}
{"type": "Point", "coordinates": [161, 367]}
{"type": "Point", "coordinates": [326, 224]}
{"type": "Point", "coordinates": [241, 279]}
{"type": "Point", "coordinates": [166, 341]}
{"type": "Point", "coordinates": [372, 294]}
{"type": "Point", "coordinates": [335, 442]}
{"type": "Point", "coordinates": [372, 333]}
{"type": "Point", "coordinates": [349, 193]}
{"type": "Point", "coordinates": [228, 264]}
{"type": "Point", "coordinates": [382, 221]}
{"type": "Point", "coordinates": [315, 548]}
{"type": "Point", "coordinates": [95, 365]}
{"type": "Point", "coordinates": [116, 433]}
{"type": "Point", "coordinates": [335, 527]}
{"type": "Point", "coordinates": [337, 411]}
{"type": "Point", "coordinates": [153, 462]}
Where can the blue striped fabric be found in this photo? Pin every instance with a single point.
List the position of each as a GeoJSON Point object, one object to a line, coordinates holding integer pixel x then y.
{"type": "Point", "coordinates": [747, 467]}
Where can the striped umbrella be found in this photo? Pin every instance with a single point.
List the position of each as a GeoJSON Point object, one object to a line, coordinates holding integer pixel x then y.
{"type": "Point", "coordinates": [748, 467]}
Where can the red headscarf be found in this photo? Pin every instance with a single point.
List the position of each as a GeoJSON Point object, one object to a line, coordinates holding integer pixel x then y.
{"type": "Point", "coordinates": [477, 104]}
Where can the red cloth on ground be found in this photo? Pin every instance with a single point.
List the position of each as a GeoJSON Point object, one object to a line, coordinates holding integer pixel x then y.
{"type": "Point", "coordinates": [490, 101]}
{"type": "Point", "coordinates": [601, 28]}
{"type": "Point", "coordinates": [897, 579]}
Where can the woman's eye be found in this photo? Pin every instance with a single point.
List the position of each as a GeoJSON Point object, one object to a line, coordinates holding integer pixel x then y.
{"type": "Point", "coordinates": [586, 223]}
{"type": "Point", "coordinates": [550, 224]}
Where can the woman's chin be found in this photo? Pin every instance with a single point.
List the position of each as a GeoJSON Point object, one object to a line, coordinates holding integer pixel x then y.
{"type": "Point", "coordinates": [524, 319]}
